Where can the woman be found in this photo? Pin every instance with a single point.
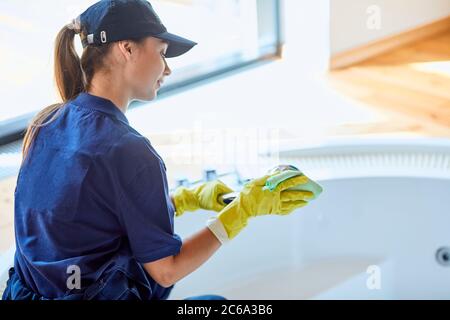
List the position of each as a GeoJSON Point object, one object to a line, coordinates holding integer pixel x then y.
{"type": "Point", "coordinates": [93, 215]}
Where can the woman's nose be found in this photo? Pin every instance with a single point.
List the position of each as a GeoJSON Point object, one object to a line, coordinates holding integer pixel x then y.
{"type": "Point", "coordinates": [167, 70]}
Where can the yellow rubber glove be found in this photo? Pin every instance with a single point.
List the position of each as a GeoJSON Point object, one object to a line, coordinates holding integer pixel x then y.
{"type": "Point", "coordinates": [206, 196]}
{"type": "Point", "coordinates": [254, 200]}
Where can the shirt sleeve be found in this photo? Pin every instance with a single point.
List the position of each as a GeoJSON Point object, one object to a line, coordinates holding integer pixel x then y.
{"type": "Point", "coordinates": [147, 213]}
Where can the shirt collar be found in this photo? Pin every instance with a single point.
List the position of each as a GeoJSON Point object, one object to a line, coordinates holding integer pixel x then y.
{"type": "Point", "coordinates": [104, 105]}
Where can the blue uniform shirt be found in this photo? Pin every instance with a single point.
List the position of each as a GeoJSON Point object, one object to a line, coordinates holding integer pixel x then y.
{"type": "Point", "coordinates": [93, 194]}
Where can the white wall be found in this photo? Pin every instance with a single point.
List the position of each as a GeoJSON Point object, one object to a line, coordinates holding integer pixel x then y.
{"type": "Point", "coordinates": [349, 19]}
{"type": "Point", "coordinates": [307, 34]}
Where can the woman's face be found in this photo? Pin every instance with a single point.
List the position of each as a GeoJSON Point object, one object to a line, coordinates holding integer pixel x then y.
{"type": "Point", "coordinates": [147, 69]}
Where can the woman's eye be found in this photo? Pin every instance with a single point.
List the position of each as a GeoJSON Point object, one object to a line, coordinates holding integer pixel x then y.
{"type": "Point", "coordinates": [163, 55]}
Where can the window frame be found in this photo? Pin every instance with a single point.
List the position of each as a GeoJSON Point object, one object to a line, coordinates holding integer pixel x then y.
{"type": "Point", "coordinates": [14, 129]}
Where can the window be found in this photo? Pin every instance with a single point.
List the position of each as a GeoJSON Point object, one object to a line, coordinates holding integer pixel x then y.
{"type": "Point", "coordinates": [230, 33]}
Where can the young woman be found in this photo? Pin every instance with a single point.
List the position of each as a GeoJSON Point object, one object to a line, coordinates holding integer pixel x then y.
{"type": "Point", "coordinates": [93, 214]}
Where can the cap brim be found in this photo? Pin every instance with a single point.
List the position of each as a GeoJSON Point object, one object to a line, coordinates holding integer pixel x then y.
{"type": "Point", "coordinates": [177, 45]}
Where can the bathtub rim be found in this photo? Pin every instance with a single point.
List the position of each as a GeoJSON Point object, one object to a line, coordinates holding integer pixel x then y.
{"type": "Point", "coordinates": [344, 157]}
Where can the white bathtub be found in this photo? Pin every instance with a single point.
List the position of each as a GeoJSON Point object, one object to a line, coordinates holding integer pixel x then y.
{"type": "Point", "coordinates": [373, 234]}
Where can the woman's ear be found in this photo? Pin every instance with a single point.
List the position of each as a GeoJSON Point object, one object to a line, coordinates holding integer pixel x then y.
{"type": "Point", "coordinates": [126, 48]}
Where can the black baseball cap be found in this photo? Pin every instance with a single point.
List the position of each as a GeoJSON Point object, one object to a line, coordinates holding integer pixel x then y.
{"type": "Point", "coordinates": [108, 21]}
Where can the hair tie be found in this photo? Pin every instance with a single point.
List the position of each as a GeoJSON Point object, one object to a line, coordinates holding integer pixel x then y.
{"type": "Point", "coordinates": [75, 25]}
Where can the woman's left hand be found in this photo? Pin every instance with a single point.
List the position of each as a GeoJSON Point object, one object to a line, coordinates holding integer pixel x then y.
{"type": "Point", "coordinates": [206, 196]}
